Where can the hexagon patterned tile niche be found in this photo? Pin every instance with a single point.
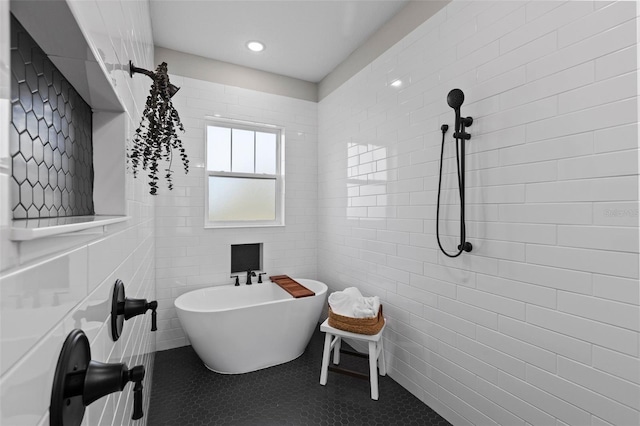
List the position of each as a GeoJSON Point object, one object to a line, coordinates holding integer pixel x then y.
{"type": "Point", "coordinates": [51, 144]}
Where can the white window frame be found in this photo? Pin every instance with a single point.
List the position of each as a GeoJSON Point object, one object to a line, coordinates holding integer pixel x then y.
{"type": "Point", "coordinates": [278, 176]}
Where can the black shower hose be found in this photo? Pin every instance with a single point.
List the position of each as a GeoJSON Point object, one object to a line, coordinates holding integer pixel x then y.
{"type": "Point", "coordinates": [463, 236]}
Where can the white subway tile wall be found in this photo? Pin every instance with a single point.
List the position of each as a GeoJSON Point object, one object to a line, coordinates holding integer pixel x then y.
{"type": "Point", "coordinates": [540, 323]}
{"type": "Point", "coordinates": [189, 256]}
{"type": "Point", "coordinates": [51, 286]}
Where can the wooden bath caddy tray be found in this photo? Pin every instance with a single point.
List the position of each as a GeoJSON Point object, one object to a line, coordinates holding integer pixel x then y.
{"type": "Point", "coordinates": [291, 286]}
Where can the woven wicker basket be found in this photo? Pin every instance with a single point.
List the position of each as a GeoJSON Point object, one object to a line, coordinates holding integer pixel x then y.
{"type": "Point", "coordinates": [367, 326]}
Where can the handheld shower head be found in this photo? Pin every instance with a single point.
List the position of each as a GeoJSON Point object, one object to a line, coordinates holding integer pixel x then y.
{"type": "Point", "coordinates": [455, 99]}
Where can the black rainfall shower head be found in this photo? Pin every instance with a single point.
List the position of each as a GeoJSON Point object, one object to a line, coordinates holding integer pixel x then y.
{"type": "Point", "coordinates": [455, 99]}
{"type": "Point", "coordinates": [173, 89]}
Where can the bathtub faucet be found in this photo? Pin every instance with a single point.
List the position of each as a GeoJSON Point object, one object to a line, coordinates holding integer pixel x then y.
{"type": "Point", "coordinates": [250, 274]}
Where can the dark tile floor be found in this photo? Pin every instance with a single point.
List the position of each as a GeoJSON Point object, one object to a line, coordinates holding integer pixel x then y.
{"type": "Point", "coordinates": [185, 393]}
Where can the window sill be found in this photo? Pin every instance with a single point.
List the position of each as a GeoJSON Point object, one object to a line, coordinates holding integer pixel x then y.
{"type": "Point", "coordinates": [31, 229]}
{"type": "Point", "coordinates": [231, 226]}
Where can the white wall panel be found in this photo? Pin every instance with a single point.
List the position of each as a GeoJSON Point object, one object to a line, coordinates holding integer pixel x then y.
{"type": "Point", "coordinates": [57, 284]}
{"type": "Point", "coordinates": [548, 298]}
{"type": "Point", "coordinates": [623, 366]}
{"type": "Point", "coordinates": [189, 256]}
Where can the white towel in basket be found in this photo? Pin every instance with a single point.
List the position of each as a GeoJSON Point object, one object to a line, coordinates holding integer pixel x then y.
{"type": "Point", "coordinates": [351, 303]}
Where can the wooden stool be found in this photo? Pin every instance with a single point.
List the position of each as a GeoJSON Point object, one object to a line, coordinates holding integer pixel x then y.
{"type": "Point", "coordinates": [333, 340]}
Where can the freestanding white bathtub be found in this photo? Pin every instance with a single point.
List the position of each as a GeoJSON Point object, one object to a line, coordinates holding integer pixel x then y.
{"type": "Point", "coordinates": [241, 329]}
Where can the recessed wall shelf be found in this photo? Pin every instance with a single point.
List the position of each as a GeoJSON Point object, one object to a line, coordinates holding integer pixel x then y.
{"type": "Point", "coordinates": [246, 257]}
{"type": "Point", "coordinates": [31, 229]}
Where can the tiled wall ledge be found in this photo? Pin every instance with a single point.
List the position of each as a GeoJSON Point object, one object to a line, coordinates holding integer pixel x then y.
{"type": "Point", "coordinates": [31, 229]}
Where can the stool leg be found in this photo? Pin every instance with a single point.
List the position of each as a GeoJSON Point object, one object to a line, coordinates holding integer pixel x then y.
{"type": "Point", "coordinates": [325, 359]}
{"type": "Point", "coordinates": [381, 361]}
{"type": "Point", "coordinates": [373, 369]}
{"type": "Point", "coordinates": [336, 350]}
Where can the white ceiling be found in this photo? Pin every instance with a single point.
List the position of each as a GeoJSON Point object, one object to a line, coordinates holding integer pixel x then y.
{"type": "Point", "coordinates": [305, 39]}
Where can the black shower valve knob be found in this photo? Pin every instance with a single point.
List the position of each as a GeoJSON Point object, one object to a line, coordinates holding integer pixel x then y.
{"type": "Point", "coordinates": [79, 381]}
{"type": "Point", "coordinates": [101, 379]}
{"type": "Point", "coordinates": [133, 307]}
{"type": "Point", "coordinates": [124, 308]}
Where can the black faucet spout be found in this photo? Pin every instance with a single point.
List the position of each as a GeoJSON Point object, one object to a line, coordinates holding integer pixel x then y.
{"type": "Point", "coordinates": [250, 274]}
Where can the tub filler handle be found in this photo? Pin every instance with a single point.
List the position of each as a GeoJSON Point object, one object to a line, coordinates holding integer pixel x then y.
{"type": "Point", "coordinates": [80, 381]}
{"type": "Point", "coordinates": [237, 280]}
{"type": "Point", "coordinates": [124, 308]}
{"type": "Point", "coordinates": [260, 277]}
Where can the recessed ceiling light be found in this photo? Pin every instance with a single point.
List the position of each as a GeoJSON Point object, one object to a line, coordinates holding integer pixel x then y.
{"type": "Point", "coordinates": [255, 46]}
{"type": "Point", "coordinates": [396, 83]}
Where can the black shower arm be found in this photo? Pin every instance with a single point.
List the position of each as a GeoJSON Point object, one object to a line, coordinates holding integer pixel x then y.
{"type": "Point", "coordinates": [133, 69]}
{"type": "Point", "coordinates": [172, 88]}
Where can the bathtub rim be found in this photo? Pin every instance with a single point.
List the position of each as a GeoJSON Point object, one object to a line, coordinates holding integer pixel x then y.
{"type": "Point", "coordinates": [181, 306]}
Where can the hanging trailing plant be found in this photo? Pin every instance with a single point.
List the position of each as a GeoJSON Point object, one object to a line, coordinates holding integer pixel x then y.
{"type": "Point", "coordinates": [156, 139]}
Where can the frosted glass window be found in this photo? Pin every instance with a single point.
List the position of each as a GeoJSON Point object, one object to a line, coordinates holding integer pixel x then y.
{"type": "Point", "coordinates": [244, 178]}
{"type": "Point", "coordinates": [266, 151]}
{"type": "Point", "coordinates": [242, 158]}
{"type": "Point", "coordinates": [218, 149]}
{"type": "Point", "coordinates": [241, 199]}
